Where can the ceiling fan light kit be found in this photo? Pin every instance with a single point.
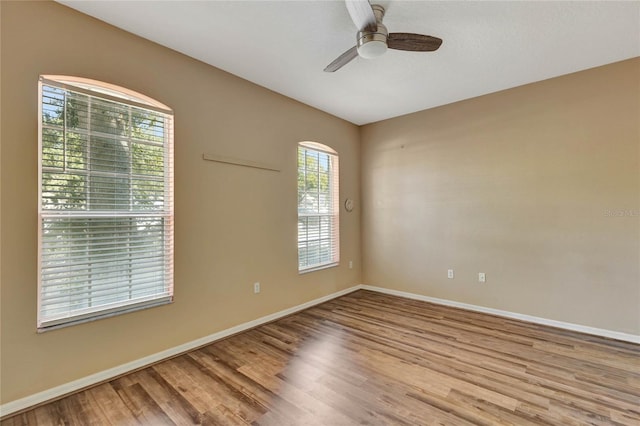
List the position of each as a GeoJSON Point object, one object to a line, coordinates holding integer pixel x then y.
{"type": "Point", "coordinates": [371, 45]}
{"type": "Point", "coordinates": [373, 39]}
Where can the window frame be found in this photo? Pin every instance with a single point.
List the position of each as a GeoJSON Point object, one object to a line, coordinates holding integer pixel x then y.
{"type": "Point", "coordinates": [129, 99]}
{"type": "Point", "coordinates": [333, 215]}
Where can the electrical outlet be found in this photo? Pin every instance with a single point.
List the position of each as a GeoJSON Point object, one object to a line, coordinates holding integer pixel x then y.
{"type": "Point", "coordinates": [256, 288]}
{"type": "Point", "coordinates": [450, 274]}
{"type": "Point", "coordinates": [351, 264]}
{"type": "Point", "coordinates": [481, 277]}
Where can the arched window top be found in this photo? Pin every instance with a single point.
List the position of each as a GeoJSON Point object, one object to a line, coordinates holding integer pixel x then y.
{"type": "Point", "coordinates": [108, 90]}
{"type": "Point", "coordinates": [318, 147]}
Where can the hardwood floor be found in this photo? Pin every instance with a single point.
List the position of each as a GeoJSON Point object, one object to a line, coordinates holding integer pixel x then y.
{"type": "Point", "coordinates": [374, 359]}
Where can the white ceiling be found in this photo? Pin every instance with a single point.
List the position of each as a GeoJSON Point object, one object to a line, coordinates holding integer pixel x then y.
{"type": "Point", "coordinates": [285, 45]}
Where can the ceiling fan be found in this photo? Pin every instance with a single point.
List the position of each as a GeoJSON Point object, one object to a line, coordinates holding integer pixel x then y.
{"type": "Point", "coordinates": [373, 39]}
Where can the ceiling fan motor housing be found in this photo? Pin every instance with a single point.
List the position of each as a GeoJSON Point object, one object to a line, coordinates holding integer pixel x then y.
{"type": "Point", "coordinates": [372, 42]}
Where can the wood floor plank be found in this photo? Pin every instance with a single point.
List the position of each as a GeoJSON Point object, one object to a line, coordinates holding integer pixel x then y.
{"type": "Point", "coordinates": [370, 358]}
{"type": "Point", "coordinates": [143, 407]}
{"type": "Point", "coordinates": [108, 403]}
{"type": "Point", "coordinates": [278, 408]}
{"type": "Point", "coordinates": [172, 402]}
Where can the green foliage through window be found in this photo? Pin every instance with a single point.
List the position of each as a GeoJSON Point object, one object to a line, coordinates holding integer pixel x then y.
{"type": "Point", "coordinates": [105, 205]}
{"type": "Point", "coordinates": [318, 228]}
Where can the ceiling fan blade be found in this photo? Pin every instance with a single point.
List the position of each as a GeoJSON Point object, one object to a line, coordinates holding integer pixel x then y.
{"type": "Point", "coordinates": [342, 60]}
{"type": "Point", "coordinates": [413, 42]}
{"type": "Point", "coordinates": [362, 14]}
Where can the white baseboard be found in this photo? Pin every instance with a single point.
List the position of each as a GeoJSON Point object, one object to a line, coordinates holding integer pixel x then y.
{"type": "Point", "coordinates": [633, 338]}
{"type": "Point", "coordinates": [102, 376]}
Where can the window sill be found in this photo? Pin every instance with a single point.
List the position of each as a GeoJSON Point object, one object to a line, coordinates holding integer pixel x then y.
{"type": "Point", "coordinates": [318, 268]}
{"type": "Point", "coordinates": [104, 314]}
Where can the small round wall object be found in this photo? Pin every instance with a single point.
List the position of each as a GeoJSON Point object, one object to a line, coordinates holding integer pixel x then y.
{"type": "Point", "coordinates": [348, 204]}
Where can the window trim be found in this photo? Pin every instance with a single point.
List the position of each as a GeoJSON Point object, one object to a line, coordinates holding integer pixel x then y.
{"type": "Point", "coordinates": [335, 188]}
{"type": "Point", "coordinates": [129, 98]}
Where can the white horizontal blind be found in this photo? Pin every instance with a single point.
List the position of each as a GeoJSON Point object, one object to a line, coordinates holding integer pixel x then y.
{"type": "Point", "coordinates": [106, 204]}
{"type": "Point", "coordinates": [318, 208]}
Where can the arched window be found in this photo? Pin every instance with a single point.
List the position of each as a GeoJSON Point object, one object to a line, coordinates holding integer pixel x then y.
{"type": "Point", "coordinates": [105, 201]}
{"type": "Point", "coordinates": [318, 207]}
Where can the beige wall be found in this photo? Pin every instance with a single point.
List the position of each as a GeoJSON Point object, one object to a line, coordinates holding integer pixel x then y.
{"type": "Point", "coordinates": [234, 225]}
{"type": "Point", "coordinates": [516, 184]}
